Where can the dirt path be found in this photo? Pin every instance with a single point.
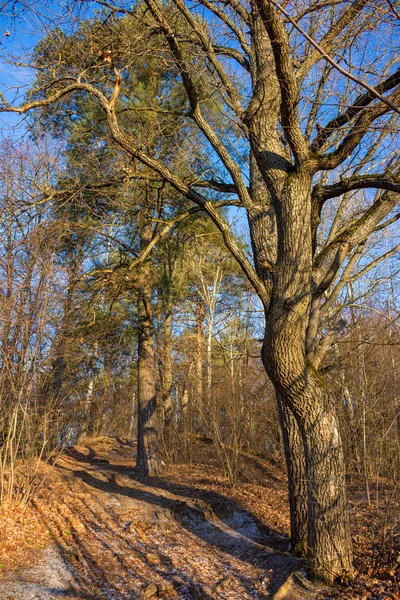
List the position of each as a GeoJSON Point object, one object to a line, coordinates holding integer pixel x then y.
{"type": "Point", "coordinates": [118, 538]}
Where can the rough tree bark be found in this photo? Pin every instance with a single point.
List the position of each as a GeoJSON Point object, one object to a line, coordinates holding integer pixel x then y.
{"type": "Point", "coordinates": [263, 234]}
{"type": "Point", "coordinates": [299, 387]}
{"type": "Point", "coordinates": [297, 483]}
{"type": "Point", "coordinates": [148, 456]}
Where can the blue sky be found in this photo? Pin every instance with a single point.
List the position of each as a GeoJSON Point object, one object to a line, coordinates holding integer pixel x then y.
{"type": "Point", "coordinates": [14, 80]}
{"type": "Point", "coordinates": [20, 31]}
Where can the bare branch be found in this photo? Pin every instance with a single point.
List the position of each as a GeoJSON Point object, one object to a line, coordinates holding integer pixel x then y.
{"type": "Point", "coordinates": [330, 39]}
{"type": "Point", "coordinates": [322, 52]}
{"type": "Point", "coordinates": [234, 99]}
{"type": "Point", "coordinates": [382, 181]}
{"type": "Point", "coordinates": [375, 262]}
{"type": "Point", "coordinates": [387, 223]}
{"type": "Point", "coordinates": [232, 53]}
{"type": "Point", "coordinates": [213, 184]}
{"type": "Point", "coordinates": [196, 113]}
{"type": "Point", "coordinates": [358, 105]}
{"type": "Point", "coordinates": [359, 129]}
{"type": "Point", "coordinates": [394, 9]}
{"type": "Point", "coordinates": [223, 15]}
{"type": "Point", "coordinates": [312, 117]}
{"type": "Point", "coordinates": [238, 7]}
{"type": "Point", "coordinates": [343, 280]}
{"type": "Point", "coordinates": [329, 260]}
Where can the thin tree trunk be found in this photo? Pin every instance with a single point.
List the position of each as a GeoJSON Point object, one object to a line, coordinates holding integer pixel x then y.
{"type": "Point", "coordinates": [132, 420]}
{"type": "Point", "coordinates": [167, 407]}
{"type": "Point", "coordinates": [348, 401]}
{"type": "Point", "coordinates": [86, 421]}
{"type": "Point", "coordinates": [60, 361]}
{"type": "Point", "coordinates": [185, 422]}
{"type": "Point", "coordinates": [148, 457]}
{"type": "Point", "coordinates": [210, 327]}
{"type": "Point", "coordinates": [348, 404]}
{"type": "Point", "coordinates": [364, 395]}
{"type": "Point", "coordinates": [199, 406]}
{"type": "Point", "coordinates": [184, 410]}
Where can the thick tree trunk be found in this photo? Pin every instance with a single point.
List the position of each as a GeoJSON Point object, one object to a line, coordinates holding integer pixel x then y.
{"type": "Point", "coordinates": [263, 237]}
{"type": "Point", "coordinates": [148, 456]}
{"type": "Point", "coordinates": [302, 393]}
{"type": "Point", "coordinates": [300, 388]}
{"type": "Point", "coordinates": [285, 207]}
{"type": "Point", "coordinates": [148, 461]}
{"type": "Point", "coordinates": [329, 540]}
{"type": "Point", "coordinates": [296, 471]}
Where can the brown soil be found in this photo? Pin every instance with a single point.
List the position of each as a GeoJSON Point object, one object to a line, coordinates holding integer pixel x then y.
{"type": "Point", "coordinates": [96, 531]}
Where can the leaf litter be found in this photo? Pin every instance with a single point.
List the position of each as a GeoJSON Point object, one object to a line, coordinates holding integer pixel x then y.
{"type": "Point", "coordinates": [98, 532]}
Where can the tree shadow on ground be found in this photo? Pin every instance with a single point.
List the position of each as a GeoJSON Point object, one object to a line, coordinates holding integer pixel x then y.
{"type": "Point", "coordinates": [91, 579]}
{"type": "Point", "coordinates": [235, 531]}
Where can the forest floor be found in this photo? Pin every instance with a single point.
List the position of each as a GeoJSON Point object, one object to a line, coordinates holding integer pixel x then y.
{"type": "Point", "coordinates": [97, 531]}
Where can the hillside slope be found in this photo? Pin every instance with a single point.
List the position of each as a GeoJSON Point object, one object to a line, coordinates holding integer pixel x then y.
{"type": "Point", "coordinates": [96, 531]}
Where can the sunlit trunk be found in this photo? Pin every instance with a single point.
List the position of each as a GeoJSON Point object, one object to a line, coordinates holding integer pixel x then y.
{"type": "Point", "coordinates": [148, 457]}
{"type": "Point", "coordinates": [301, 389]}
{"type": "Point", "coordinates": [167, 408]}
{"type": "Point", "coordinates": [303, 396]}
{"type": "Point", "coordinates": [199, 405]}
{"type": "Point", "coordinates": [297, 485]}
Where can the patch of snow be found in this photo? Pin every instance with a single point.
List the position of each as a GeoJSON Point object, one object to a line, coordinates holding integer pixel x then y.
{"type": "Point", "coordinates": [243, 524]}
{"type": "Point", "coordinates": [28, 584]}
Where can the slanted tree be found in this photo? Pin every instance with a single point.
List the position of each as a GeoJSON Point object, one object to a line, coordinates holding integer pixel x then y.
{"type": "Point", "coordinates": [308, 99]}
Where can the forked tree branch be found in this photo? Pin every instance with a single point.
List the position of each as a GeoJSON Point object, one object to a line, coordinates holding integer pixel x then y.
{"type": "Point", "coordinates": [359, 104]}
{"type": "Point", "coordinates": [359, 129]}
{"type": "Point", "coordinates": [233, 97]}
{"type": "Point", "coordinates": [233, 53]}
{"type": "Point", "coordinates": [331, 37]}
{"type": "Point", "coordinates": [328, 262]}
{"type": "Point", "coordinates": [287, 79]}
{"type": "Point", "coordinates": [223, 15]}
{"type": "Point", "coordinates": [327, 57]}
{"type": "Point", "coordinates": [232, 167]}
{"type": "Point", "coordinates": [343, 280]}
